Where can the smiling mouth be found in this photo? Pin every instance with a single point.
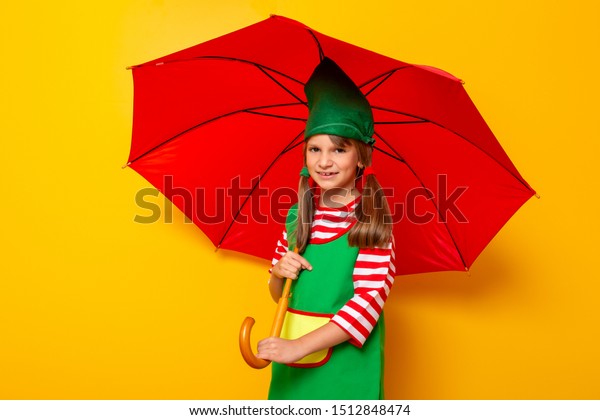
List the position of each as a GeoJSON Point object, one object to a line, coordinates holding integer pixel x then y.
{"type": "Point", "coordinates": [327, 173]}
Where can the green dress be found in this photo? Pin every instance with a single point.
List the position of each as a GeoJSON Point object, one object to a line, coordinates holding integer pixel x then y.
{"type": "Point", "coordinates": [344, 372]}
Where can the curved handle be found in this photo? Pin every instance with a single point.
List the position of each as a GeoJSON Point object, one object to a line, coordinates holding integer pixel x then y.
{"type": "Point", "coordinates": [245, 347]}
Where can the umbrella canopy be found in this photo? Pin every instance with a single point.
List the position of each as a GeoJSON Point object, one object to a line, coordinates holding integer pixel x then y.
{"type": "Point", "coordinates": [218, 129]}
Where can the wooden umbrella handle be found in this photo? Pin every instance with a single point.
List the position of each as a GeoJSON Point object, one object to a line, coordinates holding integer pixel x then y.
{"type": "Point", "coordinates": [248, 323]}
{"type": "Point", "coordinates": [245, 348]}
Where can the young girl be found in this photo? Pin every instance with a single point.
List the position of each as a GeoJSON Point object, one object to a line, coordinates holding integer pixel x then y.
{"type": "Point", "coordinates": [331, 346]}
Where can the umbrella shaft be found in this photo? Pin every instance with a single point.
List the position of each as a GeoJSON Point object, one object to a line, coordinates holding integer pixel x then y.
{"type": "Point", "coordinates": [281, 310]}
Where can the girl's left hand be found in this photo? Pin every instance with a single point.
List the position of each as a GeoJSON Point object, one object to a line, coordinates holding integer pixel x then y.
{"type": "Point", "coordinates": [280, 350]}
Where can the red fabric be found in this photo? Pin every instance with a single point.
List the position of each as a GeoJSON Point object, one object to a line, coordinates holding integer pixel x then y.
{"type": "Point", "coordinates": [368, 171]}
{"type": "Point", "coordinates": [199, 117]}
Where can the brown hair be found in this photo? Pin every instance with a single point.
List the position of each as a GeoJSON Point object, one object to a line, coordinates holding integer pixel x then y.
{"type": "Point", "coordinates": [374, 221]}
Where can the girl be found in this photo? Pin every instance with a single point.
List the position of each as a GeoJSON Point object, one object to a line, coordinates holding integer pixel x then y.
{"type": "Point", "coordinates": [331, 345]}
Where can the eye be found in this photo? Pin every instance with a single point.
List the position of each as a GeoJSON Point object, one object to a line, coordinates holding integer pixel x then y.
{"type": "Point", "coordinates": [313, 149]}
{"type": "Point", "coordinates": [340, 150]}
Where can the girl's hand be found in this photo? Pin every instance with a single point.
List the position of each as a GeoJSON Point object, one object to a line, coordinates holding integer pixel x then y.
{"type": "Point", "coordinates": [290, 265]}
{"type": "Point", "coordinates": [280, 350]}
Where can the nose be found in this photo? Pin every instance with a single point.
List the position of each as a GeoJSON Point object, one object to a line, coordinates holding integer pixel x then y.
{"type": "Point", "coordinates": [325, 160]}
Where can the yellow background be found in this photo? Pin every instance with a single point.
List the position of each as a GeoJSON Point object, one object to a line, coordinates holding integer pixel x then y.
{"type": "Point", "coordinates": [95, 306]}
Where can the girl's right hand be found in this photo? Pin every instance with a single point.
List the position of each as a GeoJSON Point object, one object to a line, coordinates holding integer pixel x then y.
{"type": "Point", "coordinates": [289, 266]}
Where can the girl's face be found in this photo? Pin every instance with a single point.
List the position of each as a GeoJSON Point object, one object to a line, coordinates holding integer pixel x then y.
{"type": "Point", "coordinates": [331, 166]}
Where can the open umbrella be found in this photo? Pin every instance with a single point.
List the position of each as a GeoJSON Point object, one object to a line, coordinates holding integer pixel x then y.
{"type": "Point", "coordinates": [218, 129]}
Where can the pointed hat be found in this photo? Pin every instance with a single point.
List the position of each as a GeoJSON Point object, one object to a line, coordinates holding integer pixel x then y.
{"type": "Point", "coordinates": [336, 105]}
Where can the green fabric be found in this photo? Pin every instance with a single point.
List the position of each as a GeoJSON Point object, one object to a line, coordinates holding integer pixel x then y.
{"type": "Point", "coordinates": [304, 172]}
{"type": "Point", "coordinates": [336, 105]}
{"type": "Point", "coordinates": [351, 373]}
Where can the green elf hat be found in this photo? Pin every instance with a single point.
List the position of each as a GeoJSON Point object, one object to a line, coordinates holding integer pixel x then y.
{"type": "Point", "coordinates": [336, 105]}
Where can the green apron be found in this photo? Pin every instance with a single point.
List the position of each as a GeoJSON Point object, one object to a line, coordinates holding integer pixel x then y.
{"type": "Point", "coordinates": [343, 372]}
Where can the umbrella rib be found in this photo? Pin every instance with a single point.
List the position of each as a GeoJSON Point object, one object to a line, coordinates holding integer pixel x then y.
{"type": "Point", "coordinates": [292, 146]}
{"type": "Point", "coordinates": [276, 116]}
{"type": "Point", "coordinates": [398, 158]}
{"type": "Point", "coordinates": [217, 57]}
{"type": "Point", "coordinates": [459, 135]}
{"type": "Point", "coordinates": [401, 159]}
{"type": "Point", "coordinates": [428, 191]}
{"type": "Point", "coordinates": [282, 86]}
{"type": "Point", "coordinates": [203, 123]}
{"type": "Point", "coordinates": [321, 54]}
{"type": "Point", "coordinates": [385, 76]}
{"type": "Point", "coordinates": [393, 111]}
{"type": "Point", "coordinates": [399, 122]}
{"type": "Point", "coordinates": [285, 149]}
{"type": "Point", "coordinates": [380, 82]}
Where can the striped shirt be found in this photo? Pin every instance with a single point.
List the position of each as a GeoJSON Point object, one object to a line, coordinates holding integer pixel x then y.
{"type": "Point", "coordinates": [373, 274]}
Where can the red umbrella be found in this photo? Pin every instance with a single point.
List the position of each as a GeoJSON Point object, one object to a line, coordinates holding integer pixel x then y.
{"type": "Point", "coordinates": [218, 130]}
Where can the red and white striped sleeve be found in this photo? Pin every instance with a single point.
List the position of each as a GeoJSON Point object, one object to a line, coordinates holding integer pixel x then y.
{"type": "Point", "coordinates": [280, 249]}
{"type": "Point", "coordinates": [373, 278]}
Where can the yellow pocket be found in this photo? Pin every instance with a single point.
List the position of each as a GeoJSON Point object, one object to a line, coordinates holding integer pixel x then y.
{"type": "Point", "coordinates": [298, 323]}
